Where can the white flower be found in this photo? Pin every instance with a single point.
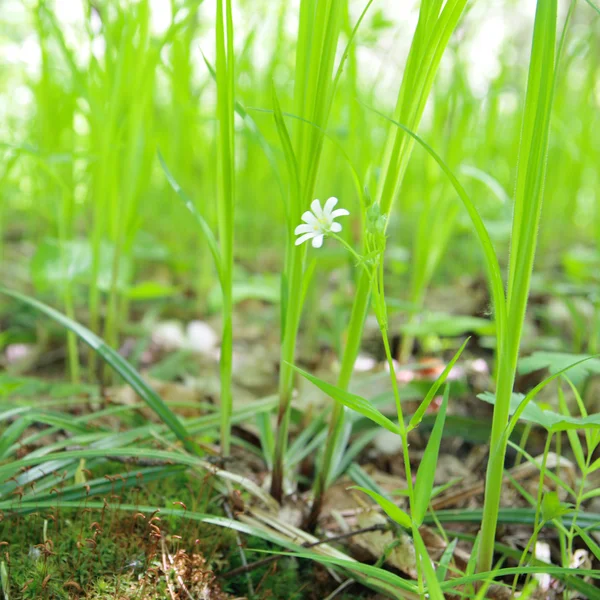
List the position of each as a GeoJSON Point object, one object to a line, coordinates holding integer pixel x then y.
{"type": "Point", "coordinates": [318, 222]}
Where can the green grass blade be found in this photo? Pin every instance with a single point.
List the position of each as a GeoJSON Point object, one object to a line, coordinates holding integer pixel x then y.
{"type": "Point", "coordinates": [391, 510]}
{"type": "Point", "coordinates": [426, 471]}
{"type": "Point", "coordinates": [422, 409]}
{"type": "Point", "coordinates": [204, 226]}
{"type": "Point", "coordinates": [288, 152]}
{"type": "Point", "coordinates": [116, 362]}
{"type": "Point", "coordinates": [357, 403]}
{"type": "Point", "coordinates": [527, 210]}
{"type": "Point", "coordinates": [433, 585]}
{"type": "Point", "coordinates": [445, 559]}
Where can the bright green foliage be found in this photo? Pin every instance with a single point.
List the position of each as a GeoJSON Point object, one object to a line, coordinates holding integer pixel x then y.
{"type": "Point", "coordinates": [319, 27]}
{"type": "Point", "coordinates": [579, 366]}
{"type": "Point", "coordinates": [310, 101]}
{"type": "Point", "coordinates": [527, 211]}
{"type": "Point", "coordinates": [364, 407]}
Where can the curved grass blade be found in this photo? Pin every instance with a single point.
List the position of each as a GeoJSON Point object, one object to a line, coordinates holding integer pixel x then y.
{"type": "Point", "coordinates": [512, 516]}
{"type": "Point", "coordinates": [206, 230]}
{"type": "Point", "coordinates": [119, 364]}
{"type": "Point", "coordinates": [420, 412]}
{"type": "Point", "coordinates": [144, 453]}
{"type": "Point", "coordinates": [491, 260]}
{"type": "Point", "coordinates": [391, 510]}
{"type": "Point", "coordinates": [499, 573]}
{"type": "Point", "coordinates": [372, 572]}
{"type": "Point", "coordinates": [357, 403]}
{"type": "Point", "coordinates": [490, 182]}
{"type": "Point", "coordinates": [14, 431]}
{"type": "Point", "coordinates": [592, 6]}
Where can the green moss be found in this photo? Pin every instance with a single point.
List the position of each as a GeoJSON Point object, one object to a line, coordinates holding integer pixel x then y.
{"type": "Point", "coordinates": [62, 554]}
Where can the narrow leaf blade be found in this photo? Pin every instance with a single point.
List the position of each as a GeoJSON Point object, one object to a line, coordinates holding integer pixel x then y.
{"type": "Point", "coordinates": [357, 403]}
{"type": "Point", "coordinates": [391, 510]}
{"type": "Point", "coordinates": [426, 472]}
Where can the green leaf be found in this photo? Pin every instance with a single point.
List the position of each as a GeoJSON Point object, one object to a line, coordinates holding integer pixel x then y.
{"type": "Point", "coordinates": [552, 507]}
{"type": "Point", "coordinates": [391, 510]}
{"type": "Point", "coordinates": [426, 471]}
{"type": "Point", "coordinates": [420, 412]}
{"type": "Point", "coordinates": [579, 368]}
{"type": "Point", "coordinates": [450, 326]}
{"type": "Point", "coordinates": [357, 403]}
{"type": "Point", "coordinates": [589, 542]}
{"type": "Point", "coordinates": [548, 419]}
{"type": "Point", "coordinates": [150, 290]}
{"type": "Point", "coordinates": [445, 560]}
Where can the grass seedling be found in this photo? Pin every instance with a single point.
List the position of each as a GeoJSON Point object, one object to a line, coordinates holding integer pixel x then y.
{"type": "Point", "coordinates": [319, 29]}
{"type": "Point", "coordinates": [434, 29]}
{"type": "Point", "coordinates": [225, 203]}
{"type": "Point", "coordinates": [527, 211]}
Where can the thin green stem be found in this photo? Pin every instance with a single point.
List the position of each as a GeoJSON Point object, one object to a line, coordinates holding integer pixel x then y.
{"type": "Point", "coordinates": [225, 205]}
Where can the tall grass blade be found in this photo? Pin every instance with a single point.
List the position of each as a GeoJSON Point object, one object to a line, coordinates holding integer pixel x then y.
{"type": "Point", "coordinates": [527, 211]}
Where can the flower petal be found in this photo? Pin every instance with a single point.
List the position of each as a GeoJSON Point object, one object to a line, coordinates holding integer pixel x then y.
{"type": "Point", "coordinates": [309, 218]}
{"type": "Point", "coordinates": [331, 202]}
{"type": "Point", "coordinates": [340, 212]}
{"type": "Point", "coordinates": [318, 241]}
{"type": "Point", "coordinates": [335, 227]}
{"type": "Point", "coordinates": [306, 236]}
{"type": "Point", "coordinates": [315, 206]}
{"type": "Point", "coordinates": [305, 228]}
